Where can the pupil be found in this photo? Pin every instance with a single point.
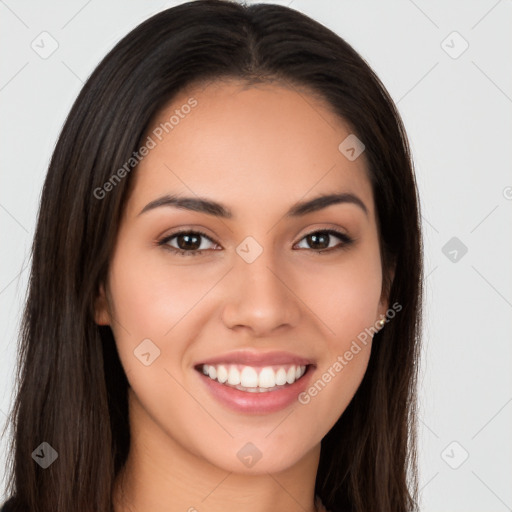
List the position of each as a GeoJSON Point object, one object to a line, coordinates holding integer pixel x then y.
{"type": "Point", "coordinates": [188, 238]}
{"type": "Point", "coordinates": [317, 237]}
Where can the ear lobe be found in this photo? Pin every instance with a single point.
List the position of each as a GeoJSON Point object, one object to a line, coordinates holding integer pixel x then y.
{"type": "Point", "coordinates": [384, 299]}
{"type": "Point", "coordinates": [101, 312]}
{"type": "Point", "coordinates": [383, 309]}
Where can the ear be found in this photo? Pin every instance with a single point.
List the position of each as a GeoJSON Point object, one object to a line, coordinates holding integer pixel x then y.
{"type": "Point", "coordinates": [384, 299]}
{"type": "Point", "coordinates": [101, 311]}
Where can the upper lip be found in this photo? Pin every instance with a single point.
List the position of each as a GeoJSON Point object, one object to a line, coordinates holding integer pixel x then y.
{"type": "Point", "coordinates": [254, 358]}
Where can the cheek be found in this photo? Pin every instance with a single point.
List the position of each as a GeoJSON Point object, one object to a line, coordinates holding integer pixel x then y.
{"type": "Point", "coordinates": [345, 297]}
{"type": "Point", "coordinates": [347, 305]}
{"type": "Point", "coordinates": [155, 301]}
{"type": "Point", "coordinates": [151, 296]}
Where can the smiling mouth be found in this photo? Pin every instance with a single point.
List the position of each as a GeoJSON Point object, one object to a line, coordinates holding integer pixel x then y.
{"type": "Point", "coordinates": [254, 379]}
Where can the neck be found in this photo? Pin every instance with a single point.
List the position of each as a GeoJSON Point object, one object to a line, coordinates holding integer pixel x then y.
{"type": "Point", "coordinates": [161, 475]}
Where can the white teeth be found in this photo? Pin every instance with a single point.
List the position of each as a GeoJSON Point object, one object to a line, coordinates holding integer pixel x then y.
{"type": "Point", "coordinates": [267, 378]}
{"type": "Point", "coordinates": [222, 374]}
{"type": "Point", "coordinates": [281, 377]}
{"type": "Point", "coordinates": [247, 378]}
{"type": "Point", "coordinates": [233, 376]}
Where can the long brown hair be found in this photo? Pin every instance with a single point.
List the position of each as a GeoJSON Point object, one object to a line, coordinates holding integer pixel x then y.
{"type": "Point", "coordinates": [72, 390]}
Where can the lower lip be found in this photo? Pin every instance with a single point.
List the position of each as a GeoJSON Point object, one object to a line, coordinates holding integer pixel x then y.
{"type": "Point", "coordinates": [256, 402]}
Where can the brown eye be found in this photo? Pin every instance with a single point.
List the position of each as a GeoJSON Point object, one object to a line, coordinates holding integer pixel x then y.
{"type": "Point", "coordinates": [321, 240]}
{"type": "Point", "coordinates": [188, 242]}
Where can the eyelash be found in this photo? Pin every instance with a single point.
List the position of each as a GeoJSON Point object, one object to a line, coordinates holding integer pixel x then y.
{"type": "Point", "coordinates": [346, 241]}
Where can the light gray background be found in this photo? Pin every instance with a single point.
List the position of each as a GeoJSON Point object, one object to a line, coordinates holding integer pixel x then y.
{"type": "Point", "coordinates": [457, 112]}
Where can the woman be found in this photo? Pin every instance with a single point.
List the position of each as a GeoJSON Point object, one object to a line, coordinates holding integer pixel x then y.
{"type": "Point", "coordinates": [280, 362]}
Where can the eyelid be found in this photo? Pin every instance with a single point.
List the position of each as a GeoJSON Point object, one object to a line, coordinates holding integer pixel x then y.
{"type": "Point", "coordinates": [324, 227]}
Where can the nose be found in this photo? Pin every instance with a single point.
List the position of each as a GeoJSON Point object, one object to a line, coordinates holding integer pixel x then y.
{"type": "Point", "coordinates": [260, 297]}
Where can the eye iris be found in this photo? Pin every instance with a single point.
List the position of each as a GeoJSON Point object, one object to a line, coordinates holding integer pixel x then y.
{"type": "Point", "coordinates": [315, 237]}
{"type": "Point", "coordinates": [187, 238]}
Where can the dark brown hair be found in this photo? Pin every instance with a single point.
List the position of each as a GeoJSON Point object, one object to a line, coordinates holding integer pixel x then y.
{"type": "Point", "coordinates": [77, 399]}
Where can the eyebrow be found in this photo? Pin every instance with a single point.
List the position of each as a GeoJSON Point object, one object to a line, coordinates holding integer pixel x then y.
{"type": "Point", "coordinates": [209, 207]}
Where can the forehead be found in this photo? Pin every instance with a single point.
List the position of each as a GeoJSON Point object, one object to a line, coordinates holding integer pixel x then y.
{"type": "Point", "coordinates": [264, 143]}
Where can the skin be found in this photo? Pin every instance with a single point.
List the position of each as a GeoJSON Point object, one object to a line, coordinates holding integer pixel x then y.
{"type": "Point", "coordinates": [257, 150]}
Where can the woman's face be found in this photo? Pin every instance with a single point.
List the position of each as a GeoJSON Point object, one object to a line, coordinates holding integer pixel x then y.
{"type": "Point", "coordinates": [262, 294]}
